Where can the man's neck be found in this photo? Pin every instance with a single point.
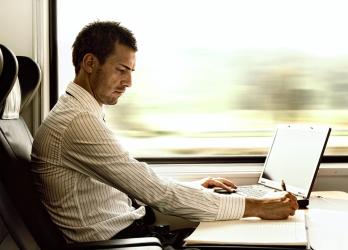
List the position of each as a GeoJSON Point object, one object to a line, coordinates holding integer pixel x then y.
{"type": "Point", "coordinates": [83, 82]}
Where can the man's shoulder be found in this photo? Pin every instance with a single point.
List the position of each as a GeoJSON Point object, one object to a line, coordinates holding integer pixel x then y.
{"type": "Point", "coordinates": [61, 115]}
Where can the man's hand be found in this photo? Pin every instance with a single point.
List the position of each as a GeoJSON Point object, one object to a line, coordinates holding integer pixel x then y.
{"type": "Point", "coordinates": [218, 182]}
{"type": "Point", "coordinates": [271, 208]}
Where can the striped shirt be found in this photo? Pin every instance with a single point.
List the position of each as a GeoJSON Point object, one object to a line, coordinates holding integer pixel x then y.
{"type": "Point", "coordinates": [84, 176]}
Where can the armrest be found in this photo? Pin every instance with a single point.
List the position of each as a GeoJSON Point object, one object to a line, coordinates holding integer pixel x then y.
{"type": "Point", "coordinates": [149, 243]}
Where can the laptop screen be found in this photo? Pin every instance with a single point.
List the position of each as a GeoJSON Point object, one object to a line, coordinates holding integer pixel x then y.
{"type": "Point", "coordinates": [295, 158]}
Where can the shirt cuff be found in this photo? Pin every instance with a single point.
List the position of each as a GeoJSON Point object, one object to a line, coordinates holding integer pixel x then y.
{"type": "Point", "coordinates": [231, 207]}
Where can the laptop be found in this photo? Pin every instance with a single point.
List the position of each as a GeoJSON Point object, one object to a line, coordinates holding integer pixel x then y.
{"type": "Point", "coordinates": [294, 157]}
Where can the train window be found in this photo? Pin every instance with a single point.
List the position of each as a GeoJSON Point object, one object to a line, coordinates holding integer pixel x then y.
{"type": "Point", "coordinates": [216, 77]}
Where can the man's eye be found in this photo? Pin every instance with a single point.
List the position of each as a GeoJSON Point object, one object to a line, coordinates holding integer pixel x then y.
{"type": "Point", "coordinates": [121, 70]}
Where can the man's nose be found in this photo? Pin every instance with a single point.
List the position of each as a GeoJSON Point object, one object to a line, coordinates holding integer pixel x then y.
{"type": "Point", "coordinates": [127, 81]}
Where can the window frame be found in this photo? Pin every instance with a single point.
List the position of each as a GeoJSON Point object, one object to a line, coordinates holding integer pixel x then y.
{"type": "Point", "coordinates": [53, 70]}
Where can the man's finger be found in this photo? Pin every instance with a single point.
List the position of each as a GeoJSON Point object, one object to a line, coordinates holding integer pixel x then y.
{"type": "Point", "coordinates": [221, 185]}
{"type": "Point", "coordinates": [226, 182]}
{"type": "Point", "coordinates": [293, 200]}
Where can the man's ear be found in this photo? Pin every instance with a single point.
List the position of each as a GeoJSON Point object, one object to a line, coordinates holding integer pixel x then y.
{"type": "Point", "coordinates": [89, 62]}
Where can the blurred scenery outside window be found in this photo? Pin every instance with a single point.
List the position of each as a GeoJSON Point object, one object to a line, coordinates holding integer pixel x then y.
{"type": "Point", "coordinates": [217, 77]}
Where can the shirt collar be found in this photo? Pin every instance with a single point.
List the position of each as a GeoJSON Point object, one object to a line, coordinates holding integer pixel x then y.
{"type": "Point", "coordinates": [85, 98]}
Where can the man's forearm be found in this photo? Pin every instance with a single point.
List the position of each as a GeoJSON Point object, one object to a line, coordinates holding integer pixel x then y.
{"type": "Point", "coordinates": [252, 207]}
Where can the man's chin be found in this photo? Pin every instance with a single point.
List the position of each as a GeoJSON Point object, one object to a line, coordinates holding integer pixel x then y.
{"type": "Point", "coordinates": [111, 101]}
{"type": "Point", "coordinates": [114, 102]}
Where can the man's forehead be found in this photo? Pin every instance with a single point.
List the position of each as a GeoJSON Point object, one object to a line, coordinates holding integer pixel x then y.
{"type": "Point", "coordinates": [121, 48]}
{"type": "Point", "coordinates": [123, 54]}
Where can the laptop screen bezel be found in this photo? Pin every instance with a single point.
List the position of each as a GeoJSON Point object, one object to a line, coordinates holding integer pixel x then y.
{"type": "Point", "coordinates": [276, 184]}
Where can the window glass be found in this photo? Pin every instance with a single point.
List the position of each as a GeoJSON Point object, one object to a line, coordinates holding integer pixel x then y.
{"type": "Point", "coordinates": [216, 77]}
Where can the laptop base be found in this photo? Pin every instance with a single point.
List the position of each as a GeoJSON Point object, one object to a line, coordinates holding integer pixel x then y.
{"type": "Point", "coordinates": [303, 203]}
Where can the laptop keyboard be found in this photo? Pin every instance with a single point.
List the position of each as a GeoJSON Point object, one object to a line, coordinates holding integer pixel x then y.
{"type": "Point", "coordinates": [252, 191]}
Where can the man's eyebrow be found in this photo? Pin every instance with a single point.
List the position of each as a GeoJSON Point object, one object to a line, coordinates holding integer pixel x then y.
{"type": "Point", "coordinates": [127, 67]}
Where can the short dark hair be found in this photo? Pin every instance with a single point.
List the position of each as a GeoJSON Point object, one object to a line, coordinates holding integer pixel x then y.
{"type": "Point", "coordinates": [99, 39]}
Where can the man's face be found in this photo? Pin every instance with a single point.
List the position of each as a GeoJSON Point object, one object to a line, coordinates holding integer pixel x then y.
{"type": "Point", "coordinates": [110, 80]}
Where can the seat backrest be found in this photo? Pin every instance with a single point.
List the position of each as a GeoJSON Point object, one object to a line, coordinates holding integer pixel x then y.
{"type": "Point", "coordinates": [15, 149]}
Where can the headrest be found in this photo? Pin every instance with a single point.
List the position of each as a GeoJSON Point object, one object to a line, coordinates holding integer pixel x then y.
{"type": "Point", "coordinates": [23, 88]}
{"type": "Point", "coordinates": [8, 74]}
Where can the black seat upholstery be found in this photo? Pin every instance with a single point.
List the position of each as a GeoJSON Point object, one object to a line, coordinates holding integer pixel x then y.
{"type": "Point", "coordinates": [24, 222]}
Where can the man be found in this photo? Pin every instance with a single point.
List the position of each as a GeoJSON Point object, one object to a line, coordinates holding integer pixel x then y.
{"type": "Point", "coordinates": [85, 178]}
